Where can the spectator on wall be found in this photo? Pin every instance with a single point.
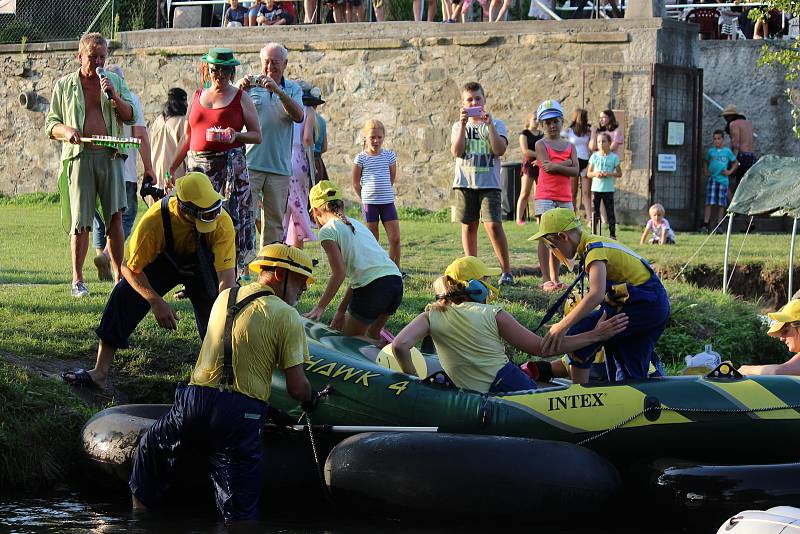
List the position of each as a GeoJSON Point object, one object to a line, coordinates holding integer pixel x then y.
{"type": "Point", "coordinates": [417, 9]}
{"type": "Point", "coordinates": [272, 13]}
{"type": "Point", "coordinates": [235, 15]}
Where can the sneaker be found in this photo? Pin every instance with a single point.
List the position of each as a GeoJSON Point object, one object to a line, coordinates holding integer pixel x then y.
{"type": "Point", "coordinates": [79, 289]}
{"type": "Point", "coordinates": [521, 222]}
{"type": "Point", "coordinates": [103, 264]}
{"type": "Point", "coordinates": [506, 279]}
{"type": "Point", "coordinates": [703, 229]}
{"type": "Point", "coordinates": [404, 275]}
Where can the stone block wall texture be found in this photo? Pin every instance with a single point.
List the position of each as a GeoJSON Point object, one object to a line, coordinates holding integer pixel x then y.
{"type": "Point", "coordinates": [731, 76]}
{"type": "Point", "coordinates": [407, 75]}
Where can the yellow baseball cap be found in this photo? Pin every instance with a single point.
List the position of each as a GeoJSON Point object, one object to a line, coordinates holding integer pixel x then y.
{"type": "Point", "coordinates": [470, 268]}
{"type": "Point", "coordinates": [323, 192]}
{"type": "Point", "coordinates": [286, 256]}
{"type": "Point", "coordinates": [788, 314]}
{"type": "Point", "coordinates": [195, 190]}
{"type": "Point", "coordinates": [554, 221]}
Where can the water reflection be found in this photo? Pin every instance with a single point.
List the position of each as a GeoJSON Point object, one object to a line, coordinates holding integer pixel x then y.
{"type": "Point", "coordinates": [71, 512]}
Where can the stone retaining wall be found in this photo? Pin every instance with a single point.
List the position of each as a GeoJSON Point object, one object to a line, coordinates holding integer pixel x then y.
{"type": "Point", "coordinates": [407, 75]}
{"type": "Point", "coordinates": [731, 76]}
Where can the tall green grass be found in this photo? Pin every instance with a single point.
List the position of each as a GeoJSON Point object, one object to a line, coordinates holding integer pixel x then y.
{"type": "Point", "coordinates": [40, 322]}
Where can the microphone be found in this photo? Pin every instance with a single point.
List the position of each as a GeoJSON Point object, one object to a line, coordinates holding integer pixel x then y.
{"type": "Point", "coordinates": [101, 72]}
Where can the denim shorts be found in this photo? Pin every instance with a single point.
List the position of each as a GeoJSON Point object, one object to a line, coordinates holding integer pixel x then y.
{"type": "Point", "coordinates": [382, 296]}
{"type": "Point", "coordinates": [546, 205]}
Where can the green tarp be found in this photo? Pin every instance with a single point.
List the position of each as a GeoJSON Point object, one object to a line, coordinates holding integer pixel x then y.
{"type": "Point", "coordinates": [770, 187]}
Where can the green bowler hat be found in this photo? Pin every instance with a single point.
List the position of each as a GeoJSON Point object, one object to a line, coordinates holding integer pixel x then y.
{"type": "Point", "coordinates": [221, 56]}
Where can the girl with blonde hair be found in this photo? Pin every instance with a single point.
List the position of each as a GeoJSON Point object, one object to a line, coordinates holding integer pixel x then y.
{"type": "Point", "coordinates": [375, 285]}
{"type": "Point", "coordinates": [374, 175]}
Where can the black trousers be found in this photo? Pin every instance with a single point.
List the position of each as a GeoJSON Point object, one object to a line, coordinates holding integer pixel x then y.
{"type": "Point", "coordinates": [608, 201]}
{"type": "Point", "coordinates": [126, 308]}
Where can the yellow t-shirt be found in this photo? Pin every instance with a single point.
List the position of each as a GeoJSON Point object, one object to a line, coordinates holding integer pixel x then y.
{"type": "Point", "coordinates": [621, 267]}
{"type": "Point", "coordinates": [147, 240]}
{"type": "Point", "coordinates": [266, 334]}
{"type": "Point", "coordinates": [469, 345]}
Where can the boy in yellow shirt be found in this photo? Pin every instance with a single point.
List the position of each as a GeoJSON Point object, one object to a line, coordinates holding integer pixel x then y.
{"type": "Point", "coordinates": [619, 281]}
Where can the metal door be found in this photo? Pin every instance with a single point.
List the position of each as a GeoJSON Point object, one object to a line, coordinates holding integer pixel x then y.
{"type": "Point", "coordinates": [676, 97]}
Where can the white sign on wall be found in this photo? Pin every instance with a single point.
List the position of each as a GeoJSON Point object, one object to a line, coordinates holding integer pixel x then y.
{"type": "Point", "coordinates": [667, 162]}
{"type": "Point", "coordinates": [8, 6]}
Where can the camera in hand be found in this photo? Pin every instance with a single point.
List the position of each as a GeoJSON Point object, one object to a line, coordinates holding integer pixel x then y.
{"type": "Point", "coordinates": [149, 188]}
{"type": "Point", "coordinates": [474, 111]}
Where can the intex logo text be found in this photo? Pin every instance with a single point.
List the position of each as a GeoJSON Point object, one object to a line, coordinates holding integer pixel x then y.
{"type": "Point", "coordinates": [584, 400]}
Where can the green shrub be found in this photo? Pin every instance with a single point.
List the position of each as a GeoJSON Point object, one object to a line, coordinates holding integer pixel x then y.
{"type": "Point", "coordinates": [29, 199]}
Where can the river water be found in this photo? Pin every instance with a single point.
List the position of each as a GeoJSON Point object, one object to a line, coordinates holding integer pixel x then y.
{"type": "Point", "coordinates": [71, 512]}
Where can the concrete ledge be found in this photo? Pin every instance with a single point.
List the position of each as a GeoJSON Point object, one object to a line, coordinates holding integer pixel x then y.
{"type": "Point", "coordinates": [473, 40]}
{"type": "Point", "coordinates": [603, 37]}
{"type": "Point", "coordinates": [62, 45]}
{"type": "Point", "coordinates": [385, 35]}
{"type": "Point", "coordinates": [356, 44]}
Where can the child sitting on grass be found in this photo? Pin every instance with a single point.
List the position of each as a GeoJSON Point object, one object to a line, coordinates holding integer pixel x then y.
{"type": "Point", "coordinates": [659, 227]}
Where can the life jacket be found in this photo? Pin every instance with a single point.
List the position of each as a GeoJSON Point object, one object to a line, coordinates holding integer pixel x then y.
{"type": "Point", "coordinates": [198, 267]}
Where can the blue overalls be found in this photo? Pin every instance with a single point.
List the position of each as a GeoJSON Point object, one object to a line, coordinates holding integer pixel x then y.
{"type": "Point", "coordinates": [629, 353]}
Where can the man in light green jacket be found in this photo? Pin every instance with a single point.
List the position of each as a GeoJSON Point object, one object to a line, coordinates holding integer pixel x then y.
{"type": "Point", "coordinates": [86, 104]}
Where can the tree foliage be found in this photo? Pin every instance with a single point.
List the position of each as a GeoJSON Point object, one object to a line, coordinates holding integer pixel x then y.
{"type": "Point", "coordinates": [787, 57]}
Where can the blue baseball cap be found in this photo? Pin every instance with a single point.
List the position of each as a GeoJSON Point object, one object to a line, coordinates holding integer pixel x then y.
{"type": "Point", "coordinates": [549, 109]}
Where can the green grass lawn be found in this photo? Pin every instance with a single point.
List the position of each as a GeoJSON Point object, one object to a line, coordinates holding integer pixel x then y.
{"type": "Point", "coordinates": [41, 323]}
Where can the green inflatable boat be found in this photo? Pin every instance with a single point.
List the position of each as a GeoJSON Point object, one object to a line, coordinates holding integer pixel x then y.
{"type": "Point", "coordinates": [721, 418]}
{"type": "Point", "coordinates": [422, 447]}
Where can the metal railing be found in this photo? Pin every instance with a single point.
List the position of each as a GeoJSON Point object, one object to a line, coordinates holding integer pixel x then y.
{"type": "Point", "coordinates": [36, 21]}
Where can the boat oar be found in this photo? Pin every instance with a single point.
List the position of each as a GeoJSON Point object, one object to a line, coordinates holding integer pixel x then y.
{"type": "Point", "coordinates": [364, 428]}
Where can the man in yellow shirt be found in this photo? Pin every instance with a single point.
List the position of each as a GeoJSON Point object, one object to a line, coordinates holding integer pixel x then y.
{"type": "Point", "coordinates": [619, 281]}
{"type": "Point", "coordinates": [785, 326]}
{"type": "Point", "coordinates": [184, 239]}
{"type": "Point", "coordinates": [252, 331]}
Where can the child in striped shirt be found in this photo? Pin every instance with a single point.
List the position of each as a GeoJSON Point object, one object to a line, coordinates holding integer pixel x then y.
{"type": "Point", "coordinates": [374, 174]}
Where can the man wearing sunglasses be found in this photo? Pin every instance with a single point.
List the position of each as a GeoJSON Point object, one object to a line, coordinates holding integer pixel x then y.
{"type": "Point", "coordinates": [184, 239]}
{"type": "Point", "coordinates": [785, 326]}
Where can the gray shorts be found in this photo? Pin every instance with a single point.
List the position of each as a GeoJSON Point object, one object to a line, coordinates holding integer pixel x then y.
{"type": "Point", "coordinates": [474, 204]}
{"type": "Point", "coordinates": [547, 205]}
{"type": "Point", "coordinates": [95, 174]}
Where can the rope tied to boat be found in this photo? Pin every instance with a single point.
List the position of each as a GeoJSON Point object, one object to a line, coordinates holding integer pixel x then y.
{"type": "Point", "coordinates": [315, 452]}
{"type": "Point", "coordinates": [660, 408]}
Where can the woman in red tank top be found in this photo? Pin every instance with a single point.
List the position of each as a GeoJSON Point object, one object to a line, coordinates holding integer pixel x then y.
{"type": "Point", "coordinates": [221, 120]}
{"type": "Point", "coordinates": [558, 163]}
